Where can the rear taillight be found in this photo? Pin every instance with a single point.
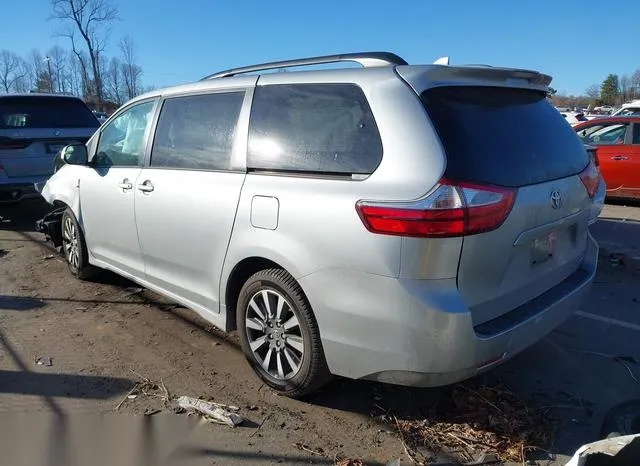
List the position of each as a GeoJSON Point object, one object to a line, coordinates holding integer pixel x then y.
{"type": "Point", "coordinates": [11, 144]}
{"type": "Point", "coordinates": [590, 177]}
{"type": "Point", "coordinates": [452, 209]}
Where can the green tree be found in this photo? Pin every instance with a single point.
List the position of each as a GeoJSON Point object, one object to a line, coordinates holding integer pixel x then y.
{"type": "Point", "coordinates": [610, 90]}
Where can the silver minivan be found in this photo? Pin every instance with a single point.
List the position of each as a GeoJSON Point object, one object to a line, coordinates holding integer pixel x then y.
{"type": "Point", "coordinates": [413, 225]}
{"type": "Point", "coordinates": [33, 128]}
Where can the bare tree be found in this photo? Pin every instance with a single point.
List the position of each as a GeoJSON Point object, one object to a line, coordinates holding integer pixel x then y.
{"type": "Point", "coordinates": [58, 62]}
{"type": "Point", "coordinates": [635, 84]}
{"type": "Point", "coordinates": [90, 19]}
{"type": "Point", "coordinates": [625, 88]}
{"type": "Point", "coordinates": [35, 63]}
{"type": "Point", "coordinates": [11, 70]}
{"type": "Point", "coordinates": [76, 75]}
{"type": "Point", "coordinates": [131, 72]}
{"type": "Point", "coordinates": [593, 92]}
{"type": "Point", "coordinates": [114, 81]}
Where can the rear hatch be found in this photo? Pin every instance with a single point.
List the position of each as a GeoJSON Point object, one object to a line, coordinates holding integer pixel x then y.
{"type": "Point", "coordinates": [34, 128]}
{"type": "Point", "coordinates": [514, 140]}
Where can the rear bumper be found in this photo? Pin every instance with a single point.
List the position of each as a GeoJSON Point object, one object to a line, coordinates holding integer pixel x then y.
{"type": "Point", "coordinates": [13, 190]}
{"type": "Point", "coordinates": [420, 332]}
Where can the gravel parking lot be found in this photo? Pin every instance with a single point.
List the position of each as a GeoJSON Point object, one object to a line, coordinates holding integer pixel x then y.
{"type": "Point", "coordinates": [97, 334]}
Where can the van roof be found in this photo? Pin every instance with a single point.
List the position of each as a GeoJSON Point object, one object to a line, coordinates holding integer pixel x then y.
{"type": "Point", "coordinates": [371, 62]}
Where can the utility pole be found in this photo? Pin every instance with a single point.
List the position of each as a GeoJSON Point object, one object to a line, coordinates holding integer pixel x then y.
{"type": "Point", "coordinates": [48, 60]}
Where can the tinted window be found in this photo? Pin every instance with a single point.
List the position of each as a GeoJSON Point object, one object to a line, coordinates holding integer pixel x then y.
{"type": "Point", "coordinates": [45, 112]}
{"type": "Point", "coordinates": [122, 141]}
{"type": "Point", "coordinates": [636, 133]}
{"type": "Point", "coordinates": [320, 128]}
{"type": "Point", "coordinates": [196, 132]}
{"type": "Point", "coordinates": [501, 136]}
{"type": "Point", "coordinates": [604, 134]}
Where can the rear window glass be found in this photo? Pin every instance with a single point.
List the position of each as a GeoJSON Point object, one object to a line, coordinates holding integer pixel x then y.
{"type": "Point", "coordinates": [502, 136]}
{"type": "Point", "coordinates": [45, 112]}
{"type": "Point", "coordinates": [317, 128]}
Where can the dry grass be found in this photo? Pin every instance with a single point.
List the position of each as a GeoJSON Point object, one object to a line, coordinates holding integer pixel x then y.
{"type": "Point", "coordinates": [479, 420]}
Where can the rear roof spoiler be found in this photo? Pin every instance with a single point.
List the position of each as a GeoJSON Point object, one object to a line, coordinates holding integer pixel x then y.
{"type": "Point", "coordinates": [422, 77]}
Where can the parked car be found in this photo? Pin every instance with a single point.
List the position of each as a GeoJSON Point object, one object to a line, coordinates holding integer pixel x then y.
{"type": "Point", "coordinates": [617, 140]}
{"type": "Point", "coordinates": [101, 116]}
{"type": "Point", "coordinates": [573, 118]}
{"type": "Point", "coordinates": [629, 109]}
{"type": "Point", "coordinates": [33, 128]}
{"type": "Point", "coordinates": [409, 224]}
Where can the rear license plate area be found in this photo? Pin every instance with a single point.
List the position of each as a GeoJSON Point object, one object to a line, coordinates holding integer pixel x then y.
{"type": "Point", "coordinates": [543, 249]}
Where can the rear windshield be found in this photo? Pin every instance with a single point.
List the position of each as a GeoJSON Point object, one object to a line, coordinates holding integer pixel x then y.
{"type": "Point", "coordinates": [502, 136]}
{"type": "Point", "coordinates": [45, 112]}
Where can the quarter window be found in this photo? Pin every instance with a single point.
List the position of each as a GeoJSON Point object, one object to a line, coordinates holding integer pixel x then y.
{"type": "Point", "coordinates": [316, 128]}
{"type": "Point", "coordinates": [122, 141]}
{"type": "Point", "coordinates": [197, 132]}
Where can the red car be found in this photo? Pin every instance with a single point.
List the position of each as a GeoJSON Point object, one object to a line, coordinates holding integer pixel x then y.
{"type": "Point", "coordinates": [617, 143]}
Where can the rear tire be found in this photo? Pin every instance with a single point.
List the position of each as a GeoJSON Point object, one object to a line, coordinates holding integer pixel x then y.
{"type": "Point", "coordinates": [279, 334]}
{"type": "Point", "coordinates": [74, 247]}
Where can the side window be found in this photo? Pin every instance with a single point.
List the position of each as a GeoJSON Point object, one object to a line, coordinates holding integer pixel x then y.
{"type": "Point", "coordinates": [320, 128]}
{"type": "Point", "coordinates": [636, 133]}
{"type": "Point", "coordinates": [604, 134]}
{"type": "Point", "coordinates": [196, 132]}
{"type": "Point", "coordinates": [122, 141]}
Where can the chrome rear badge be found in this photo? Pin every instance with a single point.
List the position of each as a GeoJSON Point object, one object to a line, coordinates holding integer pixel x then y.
{"type": "Point", "coordinates": [556, 199]}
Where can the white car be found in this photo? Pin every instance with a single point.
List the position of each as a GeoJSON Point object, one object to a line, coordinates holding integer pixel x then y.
{"type": "Point", "coordinates": [574, 117]}
{"type": "Point", "coordinates": [628, 109]}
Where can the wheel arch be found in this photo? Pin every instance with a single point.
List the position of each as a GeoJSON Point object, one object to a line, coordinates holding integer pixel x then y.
{"type": "Point", "coordinates": [239, 274]}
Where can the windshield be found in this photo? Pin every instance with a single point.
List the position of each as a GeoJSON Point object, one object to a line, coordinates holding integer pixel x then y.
{"type": "Point", "coordinates": [45, 112]}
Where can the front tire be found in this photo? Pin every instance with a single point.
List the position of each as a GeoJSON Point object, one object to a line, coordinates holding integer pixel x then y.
{"type": "Point", "coordinates": [74, 247]}
{"type": "Point", "coordinates": [279, 334]}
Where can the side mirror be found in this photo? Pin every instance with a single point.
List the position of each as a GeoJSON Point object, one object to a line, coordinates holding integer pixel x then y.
{"type": "Point", "coordinates": [75, 154]}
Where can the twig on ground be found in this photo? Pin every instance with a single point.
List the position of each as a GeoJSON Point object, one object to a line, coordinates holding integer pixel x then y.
{"type": "Point", "coordinates": [255, 432]}
{"type": "Point", "coordinates": [624, 360]}
{"type": "Point", "coordinates": [126, 397]}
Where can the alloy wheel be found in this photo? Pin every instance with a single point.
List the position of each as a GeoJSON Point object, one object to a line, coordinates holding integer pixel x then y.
{"type": "Point", "coordinates": [274, 334]}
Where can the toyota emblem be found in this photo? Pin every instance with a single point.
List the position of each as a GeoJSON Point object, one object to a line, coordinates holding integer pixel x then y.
{"type": "Point", "coordinates": [57, 132]}
{"type": "Point", "coordinates": [556, 199]}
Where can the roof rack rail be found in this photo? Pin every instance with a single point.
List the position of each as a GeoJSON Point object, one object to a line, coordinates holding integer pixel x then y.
{"type": "Point", "coordinates": [366, 59]}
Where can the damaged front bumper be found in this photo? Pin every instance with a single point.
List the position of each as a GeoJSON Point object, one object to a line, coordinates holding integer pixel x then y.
{"type": "Point", "coordinates": [50, 225]}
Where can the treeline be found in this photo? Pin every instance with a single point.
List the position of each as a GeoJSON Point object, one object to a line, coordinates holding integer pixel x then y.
{"type": "Point", "coordinates": [83, 68]}
{"type": "Point", "coordinates": [613, 91]}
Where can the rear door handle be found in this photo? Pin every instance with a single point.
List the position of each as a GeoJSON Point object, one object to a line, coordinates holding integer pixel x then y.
{"type": "Point", "coordinates": [619, 157]}
{"type": "Point", "coordinates": [125, 185]}
{"type": "Point", "coordinates": [146, 187]}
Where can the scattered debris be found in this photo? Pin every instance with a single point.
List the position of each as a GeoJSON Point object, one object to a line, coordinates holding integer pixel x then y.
{"type": "Point", "coordinates": [50, 256]}
{"type": "Point", "coordinates": [316, 451]}
{"type": "Point", "coordinates": [350, 462]}
{"type": "Point", "coordinates": [44, 361]}
{"type": "Point", "coordinates": [145, 387]}
{"type": "Point", "coordinates": [260, 426]}
{"type": "Point", "coordinates": [133, 290]}
{"type": "Point", "coordinates": [624, 360]}
{"type": "Point", "coordinates": [213, 412]}
{"type": "Point", "coordinates": [616, 451]}
{"type": "Point", "coordinates": [477, 426]}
